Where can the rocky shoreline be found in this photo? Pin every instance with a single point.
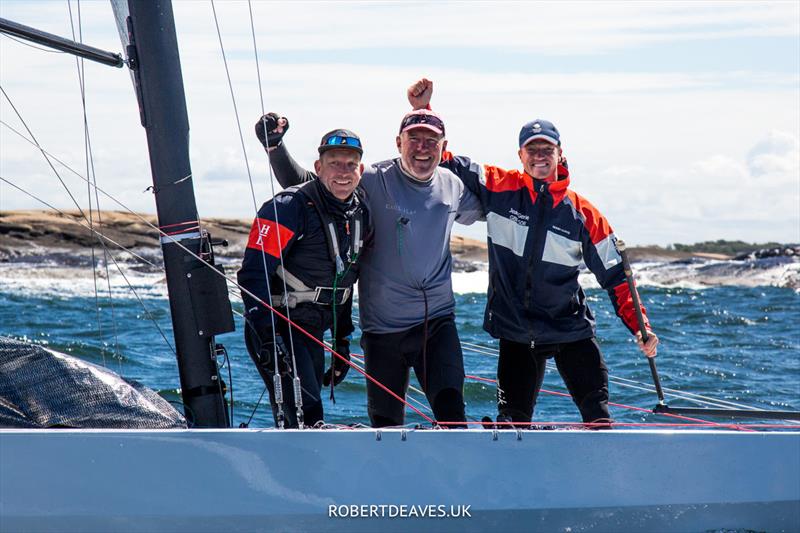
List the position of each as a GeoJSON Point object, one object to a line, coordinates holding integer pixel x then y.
{"type": "Point", "coordinates": [49, 237]}
{"type": "Point", "coordinates": [27, 233]}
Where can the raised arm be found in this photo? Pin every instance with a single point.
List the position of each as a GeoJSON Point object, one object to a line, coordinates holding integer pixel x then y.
{"type": "Point", "coordinates": [287, 171]}
{"type": "Point", "coordinates": [270, 130]}
{"type": "Point", "coordinates": [419, 94]}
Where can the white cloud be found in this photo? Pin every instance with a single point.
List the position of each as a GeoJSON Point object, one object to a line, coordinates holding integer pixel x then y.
{"type": "Point", "coordinates": [553, 28]}
{"type": "Point", "coordinates": [777, 157]}
{"type": "Point", "coordinates": [663, 154]}
{"type": "Point", "coordinates": [718, 170]}
{"type": "Point", "coordinates": [709, 198]}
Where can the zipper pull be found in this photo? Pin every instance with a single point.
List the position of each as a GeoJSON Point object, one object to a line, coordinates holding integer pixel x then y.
{"type": "Point", "coordinates": [347, 227]}
{"type": "Point", "coordinates": [533, 345]}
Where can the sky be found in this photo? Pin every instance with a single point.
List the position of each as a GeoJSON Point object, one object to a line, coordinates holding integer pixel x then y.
{"type": "Point", "coordinates": [680, 120]}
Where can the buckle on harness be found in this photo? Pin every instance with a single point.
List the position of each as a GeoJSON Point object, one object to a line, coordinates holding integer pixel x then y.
{"type": "Point", "coordinates": [318, 292]}
{"type": "Point", "coordinates": [319, 296]}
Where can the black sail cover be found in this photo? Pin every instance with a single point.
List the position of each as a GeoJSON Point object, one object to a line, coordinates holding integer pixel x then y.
{"type": "Point", "coordinates": [42, 388]}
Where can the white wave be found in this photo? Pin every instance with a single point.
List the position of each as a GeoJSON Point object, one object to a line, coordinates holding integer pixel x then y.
{"type": "Point", "coordinates": [48, 279]}
{"type": "Point", "coordinates": [467, 282]}
{"type": "Point", "coordinates": [39, 280]}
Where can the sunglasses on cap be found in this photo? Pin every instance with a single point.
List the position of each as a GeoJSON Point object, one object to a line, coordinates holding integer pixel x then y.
{"type": "Point", "coordinates": [422, 120]}
{"type": "Point", "coordinates": [339, 140]}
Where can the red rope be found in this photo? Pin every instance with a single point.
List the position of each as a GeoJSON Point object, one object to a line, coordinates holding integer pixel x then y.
{"type": "Point", "coordinates": [187, 230]}
{"type": "Point", "coordinates": [180, 224]}
{"type": "Point", "coordinates": [511, 425]}
{"type": "Point", "coordinates": [621, 405]}
{"type": "Point", "coordinates": [696, 421]}
{"type": "Point", "coordinates": [352, 365]}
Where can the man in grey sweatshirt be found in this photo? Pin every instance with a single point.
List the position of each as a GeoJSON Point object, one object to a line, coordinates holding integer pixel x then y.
{"type": "Point", "coordinates": [406, 303]}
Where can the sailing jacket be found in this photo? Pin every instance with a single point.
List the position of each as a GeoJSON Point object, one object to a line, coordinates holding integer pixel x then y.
{"type": "Point", "coordinates": [296, 225]}
{"type": "Point", "coordinates": [538, 235]}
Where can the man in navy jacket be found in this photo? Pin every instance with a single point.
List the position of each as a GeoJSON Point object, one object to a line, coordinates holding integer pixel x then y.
{"type": "Point", "coordinates": [539, 233]}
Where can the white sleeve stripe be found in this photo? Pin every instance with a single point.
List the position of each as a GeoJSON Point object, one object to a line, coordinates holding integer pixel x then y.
{"type": "Point", "coordinates": [607, 251]}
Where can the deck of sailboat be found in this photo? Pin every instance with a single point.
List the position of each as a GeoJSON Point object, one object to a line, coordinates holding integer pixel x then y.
{"type": "Point", "coordinates": [263, 479]}
{"type": "Point", "coordinates": [367, 479]}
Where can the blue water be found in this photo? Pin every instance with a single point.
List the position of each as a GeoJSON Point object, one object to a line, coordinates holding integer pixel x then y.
{"type": "Point", "coordinates": [733, 344]}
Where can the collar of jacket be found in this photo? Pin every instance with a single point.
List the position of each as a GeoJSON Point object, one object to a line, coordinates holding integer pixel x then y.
{"type": "Point", "coordinates": [557, 189]}
{"type": "Point", "coordinates": [337, 208]}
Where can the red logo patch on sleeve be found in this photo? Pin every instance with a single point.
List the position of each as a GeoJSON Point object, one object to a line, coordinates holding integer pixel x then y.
{"type": "Point", "coordinates": [269, 237]}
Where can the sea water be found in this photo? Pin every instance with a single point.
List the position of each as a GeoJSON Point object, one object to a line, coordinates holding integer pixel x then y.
{"type": "Point", "coordinates": [733, 345]}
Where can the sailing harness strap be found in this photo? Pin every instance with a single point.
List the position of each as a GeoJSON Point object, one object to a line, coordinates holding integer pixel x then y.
{"type": "Point", "coordinates": [300, 292]}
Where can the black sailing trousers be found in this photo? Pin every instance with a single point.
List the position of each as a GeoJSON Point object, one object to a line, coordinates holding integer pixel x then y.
{"type": "Point", "coordinates": [310, 359]}
{"type": "Point", "coordinates": [520, 372]}
{"type": "Point", "coordinates": [439, 370]}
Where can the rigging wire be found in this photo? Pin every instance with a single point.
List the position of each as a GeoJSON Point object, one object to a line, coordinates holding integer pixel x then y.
{"type": "Point", "coordinates": [99, 235]}
{"type": "Point", "coordinates": [623, 382]}
{"type": "Point", "coordinates": [119, 267]}
{"type": "Point", "coordinates": [81, 74]}
{"type": "Point", "coordinates": [277, 380]}
{"type": "Point", "coordinates": [20, 41]}
{"type": "Point", "coordinates": [96, 189]}
{"type": "Point", "coordinates": [35, 142]}
{"type": "Point", "coordinates": [363, 372]}
{"type": "Point", "coordinates": [120, 204]}
{"type": "Point", "coordinates": [629, 383]}
{"type": "Point", "coordinates": [90, 171]}
{"type": "Point", "coordinates": [182, 247]}
{"type": "Point", "coordinates": [272, 188]}
{"type": "Point", "coordinates": [481, 349]}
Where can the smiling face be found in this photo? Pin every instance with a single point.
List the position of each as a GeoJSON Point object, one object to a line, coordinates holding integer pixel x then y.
{"type": "Point", "coordinates": [420, 151]}
{"type": "Point", "coordinates": [339, 171]}
{"type": "Point", "coordinates": [540, 159]}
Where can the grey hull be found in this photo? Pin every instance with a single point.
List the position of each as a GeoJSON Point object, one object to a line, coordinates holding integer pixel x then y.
{"type": "Point", "coordinates": [246, 480]}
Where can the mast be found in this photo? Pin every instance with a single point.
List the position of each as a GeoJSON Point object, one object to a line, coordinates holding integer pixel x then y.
{"type": "Point", "coordinates": [198, 297]}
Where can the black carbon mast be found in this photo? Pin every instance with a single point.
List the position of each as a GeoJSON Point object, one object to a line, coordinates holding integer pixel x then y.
{"type": "Point", "coordinates": [198, 296]}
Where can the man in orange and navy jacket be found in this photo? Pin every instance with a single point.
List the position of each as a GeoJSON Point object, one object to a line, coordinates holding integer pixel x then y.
{"type": "Point", "coordinates": [539, 232]}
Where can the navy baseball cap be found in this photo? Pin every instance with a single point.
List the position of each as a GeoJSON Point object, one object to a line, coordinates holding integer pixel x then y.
{"type": "Point", "coordinates": [340, 139]}
{"type": "Point", "coordinates": [539, 129]}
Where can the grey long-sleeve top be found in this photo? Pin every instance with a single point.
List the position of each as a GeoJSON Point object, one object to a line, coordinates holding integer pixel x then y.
{"type": "Point", "coordinates": [408, 267]}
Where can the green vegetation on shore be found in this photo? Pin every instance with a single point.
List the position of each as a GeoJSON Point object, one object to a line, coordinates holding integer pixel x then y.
{"type": "Point", "coordinates": [722, 246]}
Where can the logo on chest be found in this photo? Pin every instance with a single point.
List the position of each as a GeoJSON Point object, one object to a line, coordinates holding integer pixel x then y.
{"type": "Point", "coordinates": [519, 218]}
{"type": "Point", "coordinates": [400, 209]}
